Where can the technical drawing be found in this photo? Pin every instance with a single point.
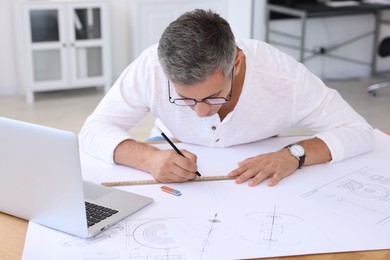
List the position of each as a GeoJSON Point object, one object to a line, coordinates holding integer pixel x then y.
{"type": "Point", "coordinates": [364, 193]}
{"type": "Point", "coordinates": [143, 239]}
{"type": "Point", "coordinates": [108, 233]}
{"type": "Point", "coordinates": [209, 229]}
{"type": "Point", "coordinates": [366, 190]}
{"type": "Point", "coordinates": [205, 234]}
{"type": "Point", "coordinates": [379, 178]}
{"type": "Point", "coordinates": [272, 228]}
{"type": "Point", "coordinates": [255, 229]}
{"type": "Point", "coordinates": [206, 231]}
{"type": "Point", "coordinates": [149, 239]}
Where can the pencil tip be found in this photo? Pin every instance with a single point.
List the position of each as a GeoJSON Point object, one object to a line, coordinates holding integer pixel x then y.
{"type": "Point", "coordinates": [158, 130]}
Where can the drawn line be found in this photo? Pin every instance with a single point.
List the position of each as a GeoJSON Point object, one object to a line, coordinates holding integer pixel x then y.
{"type": "Point", "coordinates": [342, 177]}
{"type": "Point", "coordinates": [383, 221]}
{"type": "Point", "coordinates": [208, 235]}
{"type": "Point", "coordinates": [272, 227]}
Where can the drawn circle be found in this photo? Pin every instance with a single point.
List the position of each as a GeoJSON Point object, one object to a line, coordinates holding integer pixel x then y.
{"type": "Point", "coordinates": [271, 228]}
{"type": "Point", "coordinates": [153, 234]}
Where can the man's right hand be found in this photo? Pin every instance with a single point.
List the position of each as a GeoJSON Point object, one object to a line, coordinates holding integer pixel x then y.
{"type": "Point", "coordinates": [169, 166]}
{"type": "Point", "coordinates": [164, 165]}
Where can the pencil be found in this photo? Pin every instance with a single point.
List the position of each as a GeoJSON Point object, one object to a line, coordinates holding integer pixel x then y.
{"type": "Point", "coordinates": [172, 145]}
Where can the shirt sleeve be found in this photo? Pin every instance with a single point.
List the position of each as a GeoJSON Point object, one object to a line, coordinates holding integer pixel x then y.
{"type": "Point", "coordinates": [121, 108]}
{"type": "Point", "coordinates": [323, 110]}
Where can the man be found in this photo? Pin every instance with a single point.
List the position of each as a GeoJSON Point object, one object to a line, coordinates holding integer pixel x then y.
{"type": "Point", "coordinates": [209, 89]}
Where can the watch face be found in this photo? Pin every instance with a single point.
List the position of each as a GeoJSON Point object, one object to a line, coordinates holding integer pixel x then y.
{"type": "Point", "coordinates": [297, 150]}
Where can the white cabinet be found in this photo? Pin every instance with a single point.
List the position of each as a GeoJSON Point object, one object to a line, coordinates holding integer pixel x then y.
{"type": "Point", "coordinates": [63, 45]}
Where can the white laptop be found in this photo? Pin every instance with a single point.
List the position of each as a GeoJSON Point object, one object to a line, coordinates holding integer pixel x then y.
{"type": "Point", "coordinates": [41, 181]}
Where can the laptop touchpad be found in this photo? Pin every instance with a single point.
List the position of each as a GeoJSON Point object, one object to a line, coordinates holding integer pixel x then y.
{"type": "Point", "coordinates": [94, 191]}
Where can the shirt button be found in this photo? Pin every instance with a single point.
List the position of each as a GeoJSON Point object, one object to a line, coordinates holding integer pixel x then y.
{"type": "Point", "coordinates": [217, 140]}
{"type": "Point", "coordinates": [213, 128]}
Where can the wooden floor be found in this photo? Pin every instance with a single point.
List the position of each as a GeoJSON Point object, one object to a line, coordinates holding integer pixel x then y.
{"type": "Point", "coordinates": [65, 110]}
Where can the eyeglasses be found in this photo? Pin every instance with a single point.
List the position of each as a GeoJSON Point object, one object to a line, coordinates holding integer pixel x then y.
{"type": "Point", "coordinates": [209, 100]}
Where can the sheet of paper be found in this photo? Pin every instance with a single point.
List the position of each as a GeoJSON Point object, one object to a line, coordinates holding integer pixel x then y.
{"type": "Point", "coordinates": [319, 209]}
{"type": "Point", "coordinates": [333, 217]}
{"type": "Point", "coordinates": [135, 239]}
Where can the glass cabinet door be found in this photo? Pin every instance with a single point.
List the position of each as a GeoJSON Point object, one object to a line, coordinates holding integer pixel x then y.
{"type": "Point", "coordinates": [46, 46]}
{"type": "Point", "coordinates": [89, 62]}
{"type": "Point", "coordinates": [44, 25]}
{"type": "Point", "coordinates": [46, 65]}
{"type": "Point", "coordinates": [87, 24]}
{"type": "Point", "coordinates": [87, 33]}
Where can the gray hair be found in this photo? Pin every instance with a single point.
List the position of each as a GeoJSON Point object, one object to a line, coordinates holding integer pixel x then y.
{"type": "Point", "coordinates": [195, 45]}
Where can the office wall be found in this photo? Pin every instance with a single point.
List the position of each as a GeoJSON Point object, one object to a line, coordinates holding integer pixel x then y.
{"type": "Point", "coordinates": [8, 81]}
{"type": "Point", "coordinates": [238, 14]}
{"type": "Point", "coordinates": [149, 18]}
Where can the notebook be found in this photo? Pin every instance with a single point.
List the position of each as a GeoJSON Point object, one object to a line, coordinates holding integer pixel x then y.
{"type": "Point", "coordinates": [41, 181]}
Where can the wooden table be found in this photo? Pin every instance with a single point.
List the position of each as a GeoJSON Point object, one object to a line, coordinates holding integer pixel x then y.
{"type": "Point", "coordinates": [13, 233]}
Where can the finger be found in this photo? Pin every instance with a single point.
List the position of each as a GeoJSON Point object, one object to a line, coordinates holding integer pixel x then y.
{"type": "Point", "coordinates": [170, 171]}
{"type": "Point", "coordinates": [188, 164]}
{"type": "Point", "coordinates": [179, 174]}
{"type": "Point", "coordinates": [192, 157]}
{"type": "Point", "coordinates": [172, 176]}
{"type": "Point", "coordinates": [236, 172]}
{"type": "Point", "coordinates": [260, 176]}
{"type": "Point", "coordinates": [165, 178]}
{"type": "Point", "coordinates": [275, 180]}
{"type": "Point", "coordinates": [248, 160]}
{"type": "Point", "coordinates": [248, 174]}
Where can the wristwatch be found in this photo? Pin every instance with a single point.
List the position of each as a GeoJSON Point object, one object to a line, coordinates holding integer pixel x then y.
{"type": "Point", "coordinates": [298, 152]}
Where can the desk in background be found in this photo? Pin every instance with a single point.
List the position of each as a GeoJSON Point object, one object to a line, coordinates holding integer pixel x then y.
{"type": "Point", "coordinates": [314, 9]}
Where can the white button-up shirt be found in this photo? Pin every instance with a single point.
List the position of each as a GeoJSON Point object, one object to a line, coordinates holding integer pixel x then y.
{"type": "Point", "coordinates": [278, 93]}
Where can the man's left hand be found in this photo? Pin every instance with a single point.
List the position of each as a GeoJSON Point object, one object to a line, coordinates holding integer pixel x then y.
{"type": "Point", "coordinates": [276, 166]}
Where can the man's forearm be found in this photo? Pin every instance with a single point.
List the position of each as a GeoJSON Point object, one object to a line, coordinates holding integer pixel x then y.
{"type": "Point", "coordinates": [316, 151]}
{"type": "Point", "coordinates": [134, 154]}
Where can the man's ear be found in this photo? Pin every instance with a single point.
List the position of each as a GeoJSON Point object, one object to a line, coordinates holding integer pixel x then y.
{"type": "Point", "coordinates": [238, 62]}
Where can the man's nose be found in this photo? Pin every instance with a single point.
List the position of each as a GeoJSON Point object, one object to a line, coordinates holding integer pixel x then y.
{"type": "Point", "coordinates": [202, 109]}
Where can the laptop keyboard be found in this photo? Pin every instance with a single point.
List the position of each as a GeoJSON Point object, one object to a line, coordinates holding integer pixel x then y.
{"type": "Point", "coordinates": [96, 213]}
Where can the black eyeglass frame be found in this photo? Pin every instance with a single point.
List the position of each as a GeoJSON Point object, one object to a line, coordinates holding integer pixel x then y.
{"type": "Point", "coordinates": [193, 102]}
